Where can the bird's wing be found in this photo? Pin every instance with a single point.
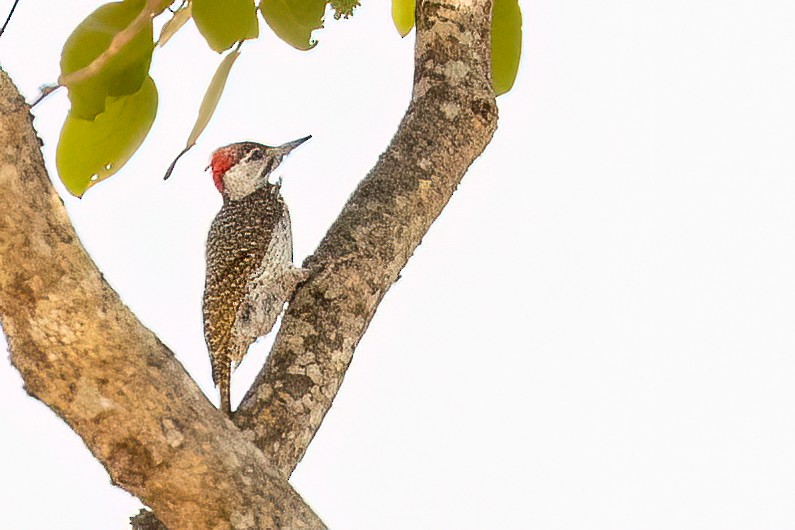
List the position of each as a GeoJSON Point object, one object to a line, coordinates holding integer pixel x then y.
{"type": "Point", "coordinates": [237, 243]}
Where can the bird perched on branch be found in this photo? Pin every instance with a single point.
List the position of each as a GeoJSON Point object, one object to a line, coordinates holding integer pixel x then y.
{"type": "Point", "coordinates": [250, 272]}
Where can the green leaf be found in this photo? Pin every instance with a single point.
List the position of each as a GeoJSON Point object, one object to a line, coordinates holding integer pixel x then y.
{"type": "Point", "coordinates": [92, 150]}
{"type": "Point", "coordinates": [293, 21]}
{"type": "Point", "coordinates": [225, 22]}
{"type": "Point", "coordinates": [212, 96]}
{"type": "Point", "coordinates": [126, 70]}
{"type": "Point", "coordinates": [403, 15]}
{"type": "Point", "coordinates": [174, 24]}
{"type": "Point", "coordinates": [506, 44]}
{"type": "Point", "coordinates": [208, 106]}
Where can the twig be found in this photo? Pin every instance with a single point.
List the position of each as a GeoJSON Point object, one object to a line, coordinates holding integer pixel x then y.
{"type": "Point", "coordinates": [8, 19]}
{"type": "Point", "coordinates": [46, 90]}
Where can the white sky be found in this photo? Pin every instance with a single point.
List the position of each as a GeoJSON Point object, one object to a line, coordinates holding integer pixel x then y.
{"type": "Point", "coordinates": [598, 331]}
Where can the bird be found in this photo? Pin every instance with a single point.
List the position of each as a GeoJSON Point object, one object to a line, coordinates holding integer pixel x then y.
{"type": "Point", "coordinates": [249, 252]}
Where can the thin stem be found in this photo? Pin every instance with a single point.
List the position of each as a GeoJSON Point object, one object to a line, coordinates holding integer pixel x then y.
{"type": "Point", "coordinates": [8, 19]}
{"type": "Point", "coordinates": [46, 90]}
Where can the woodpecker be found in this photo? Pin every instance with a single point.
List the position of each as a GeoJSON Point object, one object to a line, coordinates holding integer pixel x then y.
{"type": "Point", "coordinates": [250, 272]}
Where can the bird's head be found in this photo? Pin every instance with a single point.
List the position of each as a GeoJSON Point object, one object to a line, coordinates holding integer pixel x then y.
{"type": "Point", "coordinates": [242, 168]}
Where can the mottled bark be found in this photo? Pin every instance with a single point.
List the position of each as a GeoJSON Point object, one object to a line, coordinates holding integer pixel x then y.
{"type": "Point", "coordinates": [450, 120]}
{"type": "Point", "coordinates": [84, 354]}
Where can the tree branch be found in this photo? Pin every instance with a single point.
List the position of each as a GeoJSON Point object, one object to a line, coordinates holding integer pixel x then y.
{"type": "Point", "coordinates": [81, 352]}
{"type": "Point", "coordinates": [451, 119]}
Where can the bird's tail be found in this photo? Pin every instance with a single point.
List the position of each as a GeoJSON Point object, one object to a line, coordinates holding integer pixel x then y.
{"type": "Point", "coordinates": [222, 372]}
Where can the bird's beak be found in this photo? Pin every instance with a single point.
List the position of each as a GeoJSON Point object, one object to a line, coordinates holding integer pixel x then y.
{"type": "Point", "coordinates": [289, 146]}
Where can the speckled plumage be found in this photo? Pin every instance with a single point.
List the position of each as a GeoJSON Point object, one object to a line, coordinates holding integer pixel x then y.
{"type": "Point", "coordinates": [250, 272]}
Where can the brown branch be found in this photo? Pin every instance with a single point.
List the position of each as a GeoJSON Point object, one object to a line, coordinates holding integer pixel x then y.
{"type": "Point", "coordinates": [449, 122]}
{"type": "Point", "coordinates": [81, 352]}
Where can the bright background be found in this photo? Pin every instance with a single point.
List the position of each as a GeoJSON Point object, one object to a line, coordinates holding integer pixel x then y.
{"type": "Point", "coordinates": [598, 331]}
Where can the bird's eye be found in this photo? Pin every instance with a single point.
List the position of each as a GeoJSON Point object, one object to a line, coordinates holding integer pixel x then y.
{"type": "Point", "coordinates": [254, 154]}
